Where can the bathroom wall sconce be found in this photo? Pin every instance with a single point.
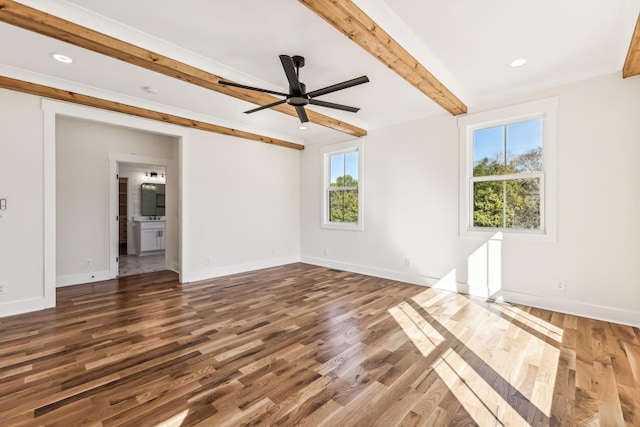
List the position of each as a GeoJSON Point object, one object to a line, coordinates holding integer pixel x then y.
{"type": "Point", "coordinates": [153, 174]}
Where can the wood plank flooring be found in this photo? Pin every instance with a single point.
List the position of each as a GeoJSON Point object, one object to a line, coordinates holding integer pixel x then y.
{"type": "Point", "coordinates": [301, 345]}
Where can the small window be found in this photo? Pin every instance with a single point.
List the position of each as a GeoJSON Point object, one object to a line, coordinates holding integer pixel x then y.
{"type": "Point", "coordinates": [507, 165]}
{"type": "Point", "coordinates": [342, 186]}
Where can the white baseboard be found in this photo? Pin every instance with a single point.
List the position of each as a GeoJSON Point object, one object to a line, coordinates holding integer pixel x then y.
{"type": "Point", "coordinates": [175, 267]}
{"type": "Point", "coordinates": [447, 284]}
{"type": "Point", "coordinates": [607, 314]}
{"type": "Point", "coordinates": [211, 273]}
{"type": "Point", "coordinates": [77, 279]}
{"type": "Point", "coordinates": [12, 308]}
{"type": "Point", "coordinates": [592, 311]}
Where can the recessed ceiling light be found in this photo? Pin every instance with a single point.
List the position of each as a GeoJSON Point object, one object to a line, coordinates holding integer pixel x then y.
{"type": "Point", "coordinates": [150, 89]}
{"type": "Point", "coordinates": [61, 58]}
{"type": "Point", "coordinates": [302, 127]}
{"type": "Point", "coordinates": [518, 62]}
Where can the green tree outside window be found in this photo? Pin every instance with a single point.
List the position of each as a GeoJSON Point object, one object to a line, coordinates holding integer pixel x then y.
{"type": "Point", "coordinates": [507, 173]}
{"type": "Point", "coordinates": [343, 188]}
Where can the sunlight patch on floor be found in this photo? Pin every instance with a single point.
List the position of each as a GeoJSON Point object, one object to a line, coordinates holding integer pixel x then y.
{"type": "Point", "coordinates": [429, 297]}
{"type": "Point", "coordinates": [175, 421]}
{"type": "Point", "coordinates": [479, 372]}
{"type": "Point", "coordinates": [423, 335]}
{"type": "Point", "coordinates": [477, 397]}
{"type": "Point", "coordinates": [539, 325]}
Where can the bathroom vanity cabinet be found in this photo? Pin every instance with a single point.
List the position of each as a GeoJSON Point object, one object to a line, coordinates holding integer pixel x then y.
{"type": "Point", "coordinates": [149, 236]}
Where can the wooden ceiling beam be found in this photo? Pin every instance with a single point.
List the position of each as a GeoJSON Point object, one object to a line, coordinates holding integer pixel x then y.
{"type": "Point", "coordinates": [345, 16]}
{"type": "Point", "coordinates": [632, 63]}
{"type": "Point", "coordinates": [48, 25]}
{"type": "Point", "coordinates": [76, 98]}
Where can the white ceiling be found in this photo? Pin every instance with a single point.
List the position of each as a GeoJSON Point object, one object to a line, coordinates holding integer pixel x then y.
{"type": "Point", "coordinates": [467, 44]}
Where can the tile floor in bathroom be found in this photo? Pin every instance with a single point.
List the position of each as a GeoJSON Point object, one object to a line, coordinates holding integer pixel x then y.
{"type": "Point", "coordinates": [133, 264]}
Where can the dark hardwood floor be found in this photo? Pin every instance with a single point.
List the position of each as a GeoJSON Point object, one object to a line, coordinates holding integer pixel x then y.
{"type": "Point", "coordinates": [305, 345]}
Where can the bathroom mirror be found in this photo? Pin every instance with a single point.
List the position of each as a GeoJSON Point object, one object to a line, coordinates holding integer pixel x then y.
{"type": "Point", "coordinates": [152, 199]}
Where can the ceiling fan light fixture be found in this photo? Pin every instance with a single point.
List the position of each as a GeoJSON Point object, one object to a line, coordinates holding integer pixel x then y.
{"type": "Point", "coordinates": [298, 101]}
{"type": "Point", "coordinates": [518, 62]}
{"type": "Point", "coordinates": [61, 58]}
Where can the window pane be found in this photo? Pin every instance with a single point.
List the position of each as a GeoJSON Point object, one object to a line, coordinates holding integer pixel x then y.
{"type": "Point", "coordinates": [343, 206]}
{"type": "Point", "coordinates": [344, 169]}
{"type": "Point", "coordinates": [351, 167]}
{"type": "Point", "coordinates": [523, 203]}
{"type": "Point", "coordinates": [524, 146]}
{"type": "Point", "coordinates": [488, 151]}
{"type": "Point", "coordinates": [336, 169]}
{"type": "Point", "coordinates": [488, 204]}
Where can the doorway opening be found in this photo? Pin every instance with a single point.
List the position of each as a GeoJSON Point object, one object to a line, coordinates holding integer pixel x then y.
{"type": "Point", "coordinates": [142, 218]}
{"type": "Point", "coordinates": [104, 264]}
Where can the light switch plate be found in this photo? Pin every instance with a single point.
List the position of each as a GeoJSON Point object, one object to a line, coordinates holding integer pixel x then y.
{"type": "Point", "coordinates": [4, 216]}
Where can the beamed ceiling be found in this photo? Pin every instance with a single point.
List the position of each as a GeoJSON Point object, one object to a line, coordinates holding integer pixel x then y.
{"type": "Point", "coordinates": [422, 57]}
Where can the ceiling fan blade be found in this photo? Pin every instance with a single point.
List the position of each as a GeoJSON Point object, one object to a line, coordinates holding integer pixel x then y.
{"type": "Point", "coordinates": [292, 76]}
{"type": "Point", "coordinates": [302, 114]}
{"type": "Point", "coordinates": [338, 86]}
{"type": "Point", "coordinates": [273, 104]}
{"type": "Point", "coordinates": [273, 92]}
{"type": "Point", "coordinates": [332, 105]}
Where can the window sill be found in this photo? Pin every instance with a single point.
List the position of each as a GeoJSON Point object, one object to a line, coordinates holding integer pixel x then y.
{"type": "Point", "coordinates": [342, 226]}
{"type": "Point", "coordinates": [510, 235]}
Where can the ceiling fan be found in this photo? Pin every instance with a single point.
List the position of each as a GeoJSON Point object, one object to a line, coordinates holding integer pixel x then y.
{"type": "Point", "coordinates": [298, 96]}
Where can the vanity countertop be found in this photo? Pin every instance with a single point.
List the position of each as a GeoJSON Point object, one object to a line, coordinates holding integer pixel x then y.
{"type": "Point", "coordinates": [147, 219]}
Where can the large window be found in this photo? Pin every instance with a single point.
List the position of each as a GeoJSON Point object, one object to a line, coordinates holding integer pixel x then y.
{"type": "Point", "coordinates": [507, 182]}
{"type": "Point", "coordinates": [507, 170]}
{"type": "Point", "coordinates": [342, 188]}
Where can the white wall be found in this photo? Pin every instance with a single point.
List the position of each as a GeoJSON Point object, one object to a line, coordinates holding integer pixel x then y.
{"type": "Point", "coordinates": [21, 183]}
{"type": "Point", "coordinates": [246, 205]}
{"type": "Point", "coordinates": [82, 191]}
{"type": "Point", "coordinates": [411, 207]}
{"type": "Point", "coordinates": [172, 210]}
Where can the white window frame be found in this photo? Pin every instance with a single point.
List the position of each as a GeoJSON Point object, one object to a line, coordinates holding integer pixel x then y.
{"type": "Point", "coordinates": [327, 152]}
{"type": "Point", "coordinates": [546, 109]}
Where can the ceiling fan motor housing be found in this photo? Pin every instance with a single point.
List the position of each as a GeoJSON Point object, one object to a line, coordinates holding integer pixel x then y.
{"type": "Point", "coordinates": [298, 99]}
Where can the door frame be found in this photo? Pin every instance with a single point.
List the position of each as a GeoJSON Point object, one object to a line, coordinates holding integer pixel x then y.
{"type": "Point", "coordinates": [51, 109]}
{"type": "Point", "coordinates": [114, 160]}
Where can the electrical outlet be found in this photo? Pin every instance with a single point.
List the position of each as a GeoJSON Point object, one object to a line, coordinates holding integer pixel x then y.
{"type": "Point", "coordinates": [88, 263]}
{"type": "Point", "coordinates": [560, 285]}
{"type": "Point", "coordinates": [3, 288]}
{"type": "Point", "coordinates": [207, 260]}
{"type": "Point", "coordinates": [326, 251]}
{"type": "Point", "coordinates": [408, 262]}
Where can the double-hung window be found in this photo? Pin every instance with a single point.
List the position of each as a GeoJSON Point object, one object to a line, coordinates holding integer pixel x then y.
{"type": "Point", "coordinates": [342, 186]}
{"type": "Point", "coordinates": [507, 170]}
